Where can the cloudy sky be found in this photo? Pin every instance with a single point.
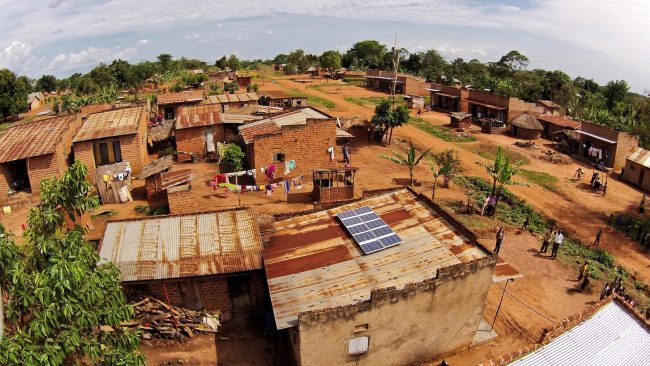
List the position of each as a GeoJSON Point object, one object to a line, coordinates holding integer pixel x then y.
{"type": "Point", "coordinates": [599, 39]}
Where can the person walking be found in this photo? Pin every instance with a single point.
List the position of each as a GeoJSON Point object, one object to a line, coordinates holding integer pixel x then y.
{"type": "Point", "coordinates": [583, 270]}
{"type": "Point", "coordinates": [500, 235]}
{"type": "Point", "coordinates": [609, 222]}
{"type": "Point", "coordinates": [605, 291]}
{"type": "Point", "coordinates": [619, 220]}
{"type": "Point", "coordinates": [642, 203]}
{"type": "Point", "coordinates": [559, 239]}
{"type": "Point", "coordinates": [585, 281]}
{"type": "Point", "coordinates": [548, 238]}
{"type": "Point", "coordinates": [598, 235]}
{"type": "Point", "coordinates": [524, 226]}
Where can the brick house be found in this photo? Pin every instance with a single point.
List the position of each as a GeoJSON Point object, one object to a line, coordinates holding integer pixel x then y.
{"type": "Point", "coordinates": [448, 98]}
{"type": "Point", "coordinates": [303, 136]}
{"type": "Point", "coordinates": [637, 167]}
{"type": "Point", "coordinates": [198, 129]}
{"type": "Point", "coordinates": [169, 103]}
{"type": "Point", "coordinates": [601, 143]}
{"type": "Point", "coordinates": [35, 101]}
{"type": "Point", "coordinates": [497, 107]}
{"type": "Point", "coordinates": [31, 152]}
{"type": "Point", "coordinates": [111, 137]}
{"type": "Point", "coordinates": [340, 305]}
{"type": "Point", "coordinates": [405, 84]}
{"type": "Point", "coordinates": [549, 107]}
{"type": "Point", "coordinates": [526, 126]}
{"type": "Point", "coordinates": [209, 260]}
{"type": "Point", "coordinates": [280, 99]}
{"type": "Point", "coordinates": [239, 100]}
{"type": "Point", "coordinates": [554, 123]}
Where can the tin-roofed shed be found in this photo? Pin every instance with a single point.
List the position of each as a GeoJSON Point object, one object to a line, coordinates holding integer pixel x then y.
{"type": "Point", "coordinates": [206, 260]}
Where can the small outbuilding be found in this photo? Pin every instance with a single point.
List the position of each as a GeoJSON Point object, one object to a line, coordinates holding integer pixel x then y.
{"type": "Point", "coordinates": [637, 167]}
{"type": "Point", "coordinates": [461, 120]}
{"type": "Point", "coordinates": [278, 98]}
{"type": "Point", "coordinates": [210, 260]}
{"type": "Point", "coordinates": [199, 128]}
{"type": "Point", "coordinates": [35, 100]}
{"type": "Point", "coordinates": [169, 103]}
{"type": "Point", "coordinates": [32, 152]}
{"type": "Point", "coordinates": [237, 100]}
{"type": "Point", "coordinates": [526, 126]}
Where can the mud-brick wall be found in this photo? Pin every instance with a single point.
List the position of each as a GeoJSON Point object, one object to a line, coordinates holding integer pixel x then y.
{"type": "Point", "coordinates": [405, 326]}
{"type": "Point", "coordinates": [306, 144]}
{"type": "Point", "coordinates": [215, 294]}
{"type": "Point", "coordinates": [5, 179]}
{"type": "Point", "coordinates": [42, 167]}
{"type": "Point", "coordinates": [182, 202]}
{"type": "Point", "coordinates": [193, 139]}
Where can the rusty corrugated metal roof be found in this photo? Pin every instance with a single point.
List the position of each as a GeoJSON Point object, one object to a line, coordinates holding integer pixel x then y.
{"type": "Point", "coordinates": [183, 246]}
{"type": "Point", "coordinates": [180, 97]}
{"type": "Point", "coordinates": [118, 122]}
{"type": "Point", "coordinates": [640, 156]}
{"type": "Point", "coordinates": [198, 115]}
{"type": "Point", "coordinates": [312, 263]}
{"type": "Point", "coordinates": [33, 139]}
{"type": "Point", "coordinates": [561, 121]}
{"type": "Point", "coordinates": [274, 124]}
{"type": "Point", "coordinates": [233, 98]}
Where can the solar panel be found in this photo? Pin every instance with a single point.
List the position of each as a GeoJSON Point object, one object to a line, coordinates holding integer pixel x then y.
{"type": "Point", "coordinates": [368, 229]}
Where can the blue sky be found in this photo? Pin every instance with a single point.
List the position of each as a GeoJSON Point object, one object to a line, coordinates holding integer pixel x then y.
{"type": "Point", "coordinates": [598, 39]}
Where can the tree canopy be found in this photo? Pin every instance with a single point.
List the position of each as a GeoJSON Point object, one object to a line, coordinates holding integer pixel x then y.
{"type": "Point", "coordinates": [13, 93]}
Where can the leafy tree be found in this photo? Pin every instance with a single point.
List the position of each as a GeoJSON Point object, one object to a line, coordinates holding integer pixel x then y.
{"type": "Point", "coordinates": [103, 75]}
{"type": "Point", "coordinates": [449, 161]}
{"type": "Point", "coordinates": [410, 160]}
{"type": "Point", "coordinates": [365, 54]}
{"type": "Point", "coordinates": [13, 94]}
{"type": "Point", "coordinates": [46, 83]}
{"type": "Point", "coordinates": [386, 118]}
{"type": "Point", "coordinates": [297, 62]}
{"type": "Point", "coordinates": [65, 306]}
{"type": "Point", "coordinates": [140, 72]}
{"type": "Point", "coordinates": [233, 157]}
{"type": "Point", "coordinates": [281, 59]}
{"type": "Point", "coordinates": [221, 63]}
{"type": "Point", "coordinates": [615, 92]}
{"type": "Point", "coordinates": [165, 62]}
{"type": "Point", "coordinates": [252, 88]}
{"type": "Point", "coordinates": [437, 171]}
{"type": "Point", "coordinates": [399, 117]}
{"type": "Point", "coordinates": [330, 61]}
{"type": "Point", "coordinates": [233, 63]}
{"type": "Point", "coordinates": [86, 86]}
{"type": "Point", "coordinates": [231, 88]}
{"type": "Point", "coordinates": [514, 60]}
{"type": "Point", "coordinates": [502, 171]}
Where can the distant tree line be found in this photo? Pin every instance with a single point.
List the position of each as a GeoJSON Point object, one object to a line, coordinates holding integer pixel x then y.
{"type": "Point", "coordinates": [612, 104]}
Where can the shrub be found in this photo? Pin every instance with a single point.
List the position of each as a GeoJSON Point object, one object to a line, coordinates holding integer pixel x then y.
{"type": "Point", "coordinates": [232, 160]}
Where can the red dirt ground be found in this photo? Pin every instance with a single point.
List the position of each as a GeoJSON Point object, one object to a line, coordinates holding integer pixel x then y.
{"type": "Point", "coordinates": [547, 287]}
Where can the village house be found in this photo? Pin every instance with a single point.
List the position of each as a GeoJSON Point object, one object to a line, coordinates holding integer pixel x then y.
{"type": "Point", "coordinates": [199, 128]}
{"type": "Point", "coordinates": [32, 152]}
{"type": "Point", "coordinates": [169, 103]}
{"type": "Point", "coordinates": [35, 101]}
{"type": "Point", "coordinates": [280, 99]}
{"type": "Point", "coordinates": [111, 137]}
{"type": "Point", "coordinates": [349, 74]}
{"type": "Point", "coordinates": [238, 100]}
{"type": "Point", "coordinates": [209, 260]}
{"type": "Point", "coordinates": [549, 107]}
{"type": "Point", "coordinates": [295, 143]}
{"type": "Point", "coordinates": [405, 84]}
{"type": "Point", "coordinates": [636, 169]}
{"type": "Point", "coordinates": [501, 108]}
{"type": "Point", "coordinates": [372, 282]}
{"type": "Point", "coordinates": [598, 143]}
{"type": "Point", "coordinates": [448, 98]}
{"type": "Point", "coordinates": [554, 123]}
{"type": "Point", "coordinates": [526, 126]}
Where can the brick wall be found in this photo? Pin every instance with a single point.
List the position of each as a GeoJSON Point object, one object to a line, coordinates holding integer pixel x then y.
{"type": "Point", "coordinates": [626, 144]}
{"type": "Point", "coordinates": [181, 201]}
{"type": "Point", "coordinates": [334, 194]}
{"type": "Point", "coordinates": [155, 289]}
{"type": "Point", "coordinates": [215, 295]}
{"type": "Point", "coordinates": [193, 139]}
{"type": "Point", "coordinates": [40, 168]}
{"type": "Point", "coordinates": [5, 179]}
{"type": "Point", "coordinates": [632, 173]}
{"type": "Point", "coordinates": [306, 144]}
{"type": "Point", "coordinates": [517, 107]}
{"type": "Point", "coordinates": [599, 130]}
{"type": "Point", "coordinates": [489, 98]}
{"type": "Point", "coordinates": [83, 151]}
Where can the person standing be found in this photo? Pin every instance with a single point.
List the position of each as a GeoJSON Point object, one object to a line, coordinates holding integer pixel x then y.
{"type": "Point", "coordinates": [500, 235]}
{"type": "Point", "coordinates": [524, 227]}
{"type": "Point", "coordinates": [609, 222]}
{"type": "Point", "coordinates": [583, 270]}
{"type": "Point", "coordinates": [642, 203]}
{"type": "Point", "coordinates": [605, 291]}
{"type": "Point", "coordinates": [548, 238]}
{"type": "Point", "coordinates": [598, 235]}
{"type": "Point", "coordinates": [559, 239]}
{"type": "Point", "coordinates": [585, 281]}
{"type": "Point", "coordinates": [619, 218]}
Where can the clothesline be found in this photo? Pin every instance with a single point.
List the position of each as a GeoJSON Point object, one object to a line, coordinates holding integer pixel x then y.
{"type": "Point", "coordinates": [269, 188]}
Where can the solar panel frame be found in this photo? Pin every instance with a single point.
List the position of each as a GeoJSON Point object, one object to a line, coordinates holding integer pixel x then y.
{"type": "Point", "coordinates": [368, 229]}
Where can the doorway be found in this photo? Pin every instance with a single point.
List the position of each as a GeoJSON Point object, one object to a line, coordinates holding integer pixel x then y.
{"type": "Point", "coordinates": [18, 175]}
{"type": "Point", "coordinates": [641, 176]}
{"type": "Point", "coordinates": [239, 292]}
{"type": "Point", "coordinates": [169, 112]}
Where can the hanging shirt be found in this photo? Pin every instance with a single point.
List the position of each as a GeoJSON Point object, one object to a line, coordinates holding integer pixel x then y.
{"type": "Point", "coordinates": [331, 152]}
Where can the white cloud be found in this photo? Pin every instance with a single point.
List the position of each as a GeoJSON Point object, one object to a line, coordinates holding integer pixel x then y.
{"type": "Point", "coordinates": [89, 57]}
{"type": "Point", "coordinates": [16, 55]}
{"type": "Point", "coordinates": [143, 42]}
{"type": "Point", "coordinates": [269, 32]}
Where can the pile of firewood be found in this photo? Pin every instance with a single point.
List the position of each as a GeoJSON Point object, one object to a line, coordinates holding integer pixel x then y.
{"type": "Point", "coordinates": [156, 319]}
{"type": "Point", "coordinates": [555, 158]}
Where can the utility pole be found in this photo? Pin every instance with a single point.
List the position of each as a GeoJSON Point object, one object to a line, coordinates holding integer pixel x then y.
{"type": "Point", "coordinates": [395, 67]}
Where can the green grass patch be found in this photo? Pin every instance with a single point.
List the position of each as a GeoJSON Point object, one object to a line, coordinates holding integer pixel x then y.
{"type": "Point", "coordinates": [371, 101]}
{"type": "Point", "coordinates": [489, 151]}
{"type": "Point", "coordinates": [146, 210]}
{"type": "Point", "coordinates": [313, 100]}
{"type": "Point", "coordinates": [355, 81]}
{"type": "Point", "coordinates": [542, 179]}
{"type": "Point", "coordinates": [440, 132]}
{"type": "Point", "coordinates": [4, 126]}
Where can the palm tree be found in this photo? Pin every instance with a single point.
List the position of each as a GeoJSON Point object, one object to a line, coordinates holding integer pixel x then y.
{"type": "Point", "coordinates": [502, 171]}
{"type": "Point", "coordinates": [410, 160]}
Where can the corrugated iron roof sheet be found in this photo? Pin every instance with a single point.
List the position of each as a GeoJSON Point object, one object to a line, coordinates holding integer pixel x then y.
{"type": "Point", "coordinates": [233, 98]}
{"type": "Point", "coordinates": [33, 139]}
{"type": "Point", "coordinates": [312, 263]}
{"type": "Point", "coordinates": [274, 124]}
{"type": "Point", "coordinates": [640, 156]}
{"type": "Point", "coordinates": [561, 121]}
{"type": "Point", "coordinates": [183, 246]}
{"type": "Point", "coordinates": [612, 336]}
{"type": "Point", "coordinates": [117, 122]}
{"type": "Point", "coordinates": [198, 115]}
{"type": "Point", "coordinates": [180, 97]}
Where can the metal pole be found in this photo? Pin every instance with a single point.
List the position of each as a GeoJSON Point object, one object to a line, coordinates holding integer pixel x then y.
{"type": "Point", "coordinates": [500, 301]}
